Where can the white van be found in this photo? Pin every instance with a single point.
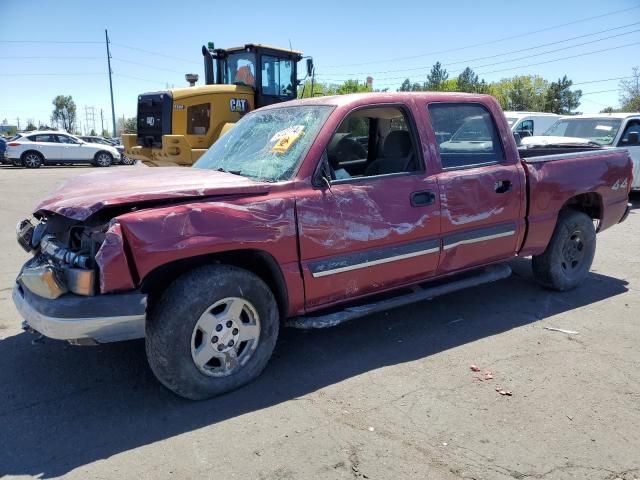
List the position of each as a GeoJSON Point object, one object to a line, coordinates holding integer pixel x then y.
{"type": "Point", "coordinates": [527, 124]}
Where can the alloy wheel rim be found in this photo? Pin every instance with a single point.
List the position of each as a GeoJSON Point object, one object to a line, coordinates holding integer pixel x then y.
{"type": "Point", "coordinates": [31, 160]}
{"type": "Point", "coordinates": [103, 160]}
{"type": "Point", "coordinates": [225, 337]}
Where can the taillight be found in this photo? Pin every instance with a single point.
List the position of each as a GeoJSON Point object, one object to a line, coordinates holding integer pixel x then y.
{"type": "Point", "coordinates": [13, 144]}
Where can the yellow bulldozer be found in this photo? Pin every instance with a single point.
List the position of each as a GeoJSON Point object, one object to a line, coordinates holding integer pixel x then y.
{"type": "Point", "coordinates": [176, 126]}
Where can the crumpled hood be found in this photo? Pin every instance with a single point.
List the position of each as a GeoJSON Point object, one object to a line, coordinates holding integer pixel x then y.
{"type": "Point", "coordinates": [82, 196]}
{"type": "Point", "coordinates": [553, 140]}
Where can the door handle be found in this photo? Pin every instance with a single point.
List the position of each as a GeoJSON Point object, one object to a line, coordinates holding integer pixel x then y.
{"type": "Point", "coordinates": [503, 186]}
{"type": "Point", "coordinates": [420, 199]}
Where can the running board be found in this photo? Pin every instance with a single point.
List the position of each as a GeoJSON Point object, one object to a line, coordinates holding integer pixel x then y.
{"type": "Point", "coordinates": [472, 279]}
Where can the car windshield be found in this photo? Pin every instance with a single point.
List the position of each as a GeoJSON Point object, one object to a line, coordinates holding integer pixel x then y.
{"type": "Point", "coordinates": [600, 130]}
{"type": "Point", "coordinates": [267, 144]}
{"type": "Point", "coordinates": [511, 121]}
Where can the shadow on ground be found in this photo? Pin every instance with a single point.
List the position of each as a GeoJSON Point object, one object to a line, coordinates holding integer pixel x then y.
{"type": "Point", "coordinates": [63, 407]}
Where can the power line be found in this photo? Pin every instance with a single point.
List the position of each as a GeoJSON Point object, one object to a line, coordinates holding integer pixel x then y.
{"type": "Point", "coordinates": [46, 42]}
{"type": "Point", "coordinates": [523, 66]}
{"type": "Point", "coordinates": [146, 65]}
{"type": "Point", "coordinates": [488, 42]}
{"type": "Point", "coordinates": [601, 91]}
{"type": "Point", "coordinates": [603, 80]}
{"type": "Point", "coordinates": [157, 54]}
{"type": "Point", "coordinates": [472, 60]}
{"type": "Point", "coordinates": [138, 78]}
{"type": "Point", "coordinates": [50, 58]}
{"type": "Point", "coordinates": [81, 74]}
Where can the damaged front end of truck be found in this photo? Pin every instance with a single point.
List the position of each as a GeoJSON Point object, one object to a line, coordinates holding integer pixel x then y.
{"type": "Point", "coordinates": [60, 291]}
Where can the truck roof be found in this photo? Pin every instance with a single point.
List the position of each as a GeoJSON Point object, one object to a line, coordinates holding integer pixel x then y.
{"type": "Point", "coordinates": [521, 114]}
{"type": "Point", "coordinates": [380, 97]}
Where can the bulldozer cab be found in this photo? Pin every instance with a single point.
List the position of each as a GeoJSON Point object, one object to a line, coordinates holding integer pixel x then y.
{"type": "Point", "coordinates": [270, 71]}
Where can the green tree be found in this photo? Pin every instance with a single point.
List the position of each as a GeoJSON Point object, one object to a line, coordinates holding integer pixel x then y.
{"type": "Point", "coordinates": [352, 86]}
{"type": "Point", "coordinates": [319, 89]}
{"type": "Point", "coordinates": [608, 110]}
{"type": "Point", "coordinates": [64, 112]}
{"type": "Point", "coordinates": [560, 99]}
{"type": "Point", "coordinates": [522, 92]}
{"type": "Point", "coordinates": [93, 133]}
{"type": "Point", "coordinates": [30, 126]}
{"type": "Point", "coordinates": [436, 77]}
{"type": "Point", "coordinates": [630, 92]}
{"type": "Point", "coordinates": [105, 133]}
{"type": "Point", "coordinates": [468, 81]}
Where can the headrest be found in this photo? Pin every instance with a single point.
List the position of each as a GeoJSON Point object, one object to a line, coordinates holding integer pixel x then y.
{"type": "Point", "coordinates": [397, 144]}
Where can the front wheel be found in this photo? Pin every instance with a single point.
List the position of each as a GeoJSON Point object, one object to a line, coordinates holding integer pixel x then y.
{"type": "Point", "coordinates": [212, 331]}
{"type": "Point", "coordinates": [569, 255]}
{"type": "Point", "coordinates": [103, 159]}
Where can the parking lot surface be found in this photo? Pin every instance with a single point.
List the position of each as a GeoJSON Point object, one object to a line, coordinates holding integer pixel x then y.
{"type": "Point", "coordinates": [391, 396]}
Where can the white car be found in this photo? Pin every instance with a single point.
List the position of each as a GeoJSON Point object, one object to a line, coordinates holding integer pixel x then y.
{"type": "Point", "coordinates": [33, 149]}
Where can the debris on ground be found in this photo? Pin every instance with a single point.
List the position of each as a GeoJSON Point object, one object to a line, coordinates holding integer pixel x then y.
{"type": "Point", "coordinates": [561, 330]}
{"type": "Point", "coordinates": [488, 375]}
{"type": "Point", "coordinates": [371, 429]}
{"type": "Point", "coordinates": [474, 368]}
{"type": "Point", "coordinates": [503, 391]}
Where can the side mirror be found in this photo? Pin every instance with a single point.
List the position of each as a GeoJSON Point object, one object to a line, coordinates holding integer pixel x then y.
{"type": "Point", "coordinates": [322, 177]}
{"type": "Point", "coordinates": [517, 138]}
{"type": "Point", "coordinates": [309, 67]}
{"type": "Point", "coordinates": [633, 138]}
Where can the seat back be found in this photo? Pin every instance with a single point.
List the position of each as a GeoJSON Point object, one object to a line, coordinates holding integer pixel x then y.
{"type": "Point", "coordinates": [397, 155]}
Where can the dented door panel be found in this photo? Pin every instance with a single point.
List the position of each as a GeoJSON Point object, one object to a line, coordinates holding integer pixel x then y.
{"type": "Point", "coordinates": [362, 237]}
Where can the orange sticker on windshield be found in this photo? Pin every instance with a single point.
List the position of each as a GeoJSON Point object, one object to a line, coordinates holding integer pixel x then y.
{"type": "Point", "coordinates": [286, 138]}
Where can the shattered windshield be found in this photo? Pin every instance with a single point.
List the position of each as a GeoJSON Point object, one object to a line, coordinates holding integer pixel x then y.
{"type": "Point", "coordinates": [267, 144]}
{"type": "Point", "coordinates": [599, 130]}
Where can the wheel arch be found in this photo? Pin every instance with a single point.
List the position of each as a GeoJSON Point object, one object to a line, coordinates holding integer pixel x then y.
{"type": "Point", "coordinates": [103, 151]}
{"type": "Point", "coordinates": [258, 262]}
{"type": "Point", "coordinates": [589, 203]}
{"type": "Point", "coordinates": [31, 150]}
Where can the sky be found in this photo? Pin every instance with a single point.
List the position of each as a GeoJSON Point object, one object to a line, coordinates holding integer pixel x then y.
{"type": "Point", "coordinates": [49, 48]}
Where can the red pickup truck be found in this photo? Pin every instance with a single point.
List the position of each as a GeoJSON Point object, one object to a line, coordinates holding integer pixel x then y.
{"type": "Point", "coordinates": [308, 214]}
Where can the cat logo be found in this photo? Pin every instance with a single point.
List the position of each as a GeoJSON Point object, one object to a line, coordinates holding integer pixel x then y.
{"type": "Point", "coordinates": [239, 105]}
{"type": "Point", "coordinates": [151, 121]}
{"type": "Point", "coordinates": [620, 185]}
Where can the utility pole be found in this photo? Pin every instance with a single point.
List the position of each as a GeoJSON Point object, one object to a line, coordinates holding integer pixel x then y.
{"type": "Point", "coordinates": [18, 122]}
{"type": "Point", "coordinates": [101, 123]}
{"type": "Point", "coordinates": [113, 110]}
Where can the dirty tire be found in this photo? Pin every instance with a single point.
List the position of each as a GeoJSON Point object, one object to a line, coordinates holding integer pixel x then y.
{"type": "Point", "coordinates": [32, 160]}
{"type": "Point", "coordinates": [568, 257]}
{"type": "Point", "coordinates": [103, 159]}
{"type": "Point", "coordinates": [174, 319]}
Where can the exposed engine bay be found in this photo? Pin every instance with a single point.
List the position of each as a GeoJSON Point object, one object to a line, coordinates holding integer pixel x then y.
{"type": "Point", "coordinates": [64, 255]}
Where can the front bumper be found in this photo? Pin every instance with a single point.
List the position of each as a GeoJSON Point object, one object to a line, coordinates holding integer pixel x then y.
{"type": "Point", "coordinates": [102, 318]}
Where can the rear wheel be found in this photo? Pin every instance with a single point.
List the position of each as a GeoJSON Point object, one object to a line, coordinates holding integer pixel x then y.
{"type": "Point", "coordinates": [213, 330]}
{"type": "Point", "coordinates": [32, 160]}
{"type": "Point", "coordinates": [126, 160]}
{"type": "Point", "coordinates": [569, 255]}
{"type": "Point", "coordinates": [103, 159]}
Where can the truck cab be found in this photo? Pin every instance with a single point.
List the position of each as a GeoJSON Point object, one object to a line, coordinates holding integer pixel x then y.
{"type": "Point", "coordinates": [176, 126]}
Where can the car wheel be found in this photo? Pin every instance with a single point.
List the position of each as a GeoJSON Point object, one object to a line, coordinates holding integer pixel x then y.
{"type": "Point", "coordinates": [126, 160]}
{"type": "Point", "coordinates": [569, 255]}
{"type": "Point", "coordinates": [103, 159]}
{"type": "Point", "coordinates": [212, 331]}
{"type": "Point", "coordinates": [32, 160]}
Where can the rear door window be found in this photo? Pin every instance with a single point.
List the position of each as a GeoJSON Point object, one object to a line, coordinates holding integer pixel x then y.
{"type": "Point", "coordinates": [41, 138]}
{"type": "Point", "coordinates": [466, 135]}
